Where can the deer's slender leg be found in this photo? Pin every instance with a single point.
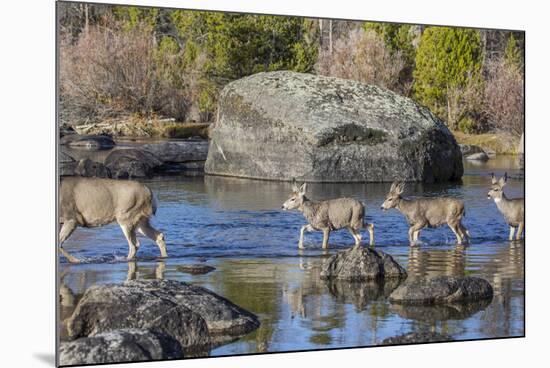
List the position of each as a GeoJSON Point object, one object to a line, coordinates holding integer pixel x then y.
{"type": "Point", "coordinates": [411, 235]}
{"type": "Point", "coordinates": [414, 229]}
{"type": "Point", "coordinates": [66, 231]}
{"type": "Point", "coordinates": [356, 236]}
{"type": "Point", "coordinates": [370, 228]}
{"type": "Point", "coordinates": [520, 231]}
{"type": "Point", "coordinates": [146, 229]}
{"type": "Point", "coordinates": [326, 233]}
{"type": "Point", "coordinates": [454, 227]}
{"type": "Point", "coordinates": [304, 228]}
{"type": "Point", "coordinates": [464, 232]}
{"type": "Point", "coordinates": [130, 234]}
{"type": "Point", "coordinates": [512, 229]}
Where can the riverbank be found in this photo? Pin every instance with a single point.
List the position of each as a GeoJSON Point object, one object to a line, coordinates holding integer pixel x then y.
{"type": "Point", "coordinates": [497, 143]}
{"type": "Point", "coordinates": [138, 127]}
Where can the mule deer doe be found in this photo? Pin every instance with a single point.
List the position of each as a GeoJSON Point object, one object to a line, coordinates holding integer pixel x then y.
{"type": "Point", "coordinates": [332, 214]}
{"type": "Point", "coordinates": [427, 212]}
{"type": "Point", "coordinates": [512, 209]}
{"type": "Point", "coordinates": [93, 202]}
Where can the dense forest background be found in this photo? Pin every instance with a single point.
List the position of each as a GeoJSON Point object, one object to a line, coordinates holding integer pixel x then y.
{"type": "Point", "coordinates": [118, 62]}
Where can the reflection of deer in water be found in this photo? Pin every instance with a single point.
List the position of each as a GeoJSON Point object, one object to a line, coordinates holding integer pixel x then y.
{"type": "Point", "coordinates": [93, 202]}
{"type": "Point", "coordinates": [133, 271]}
{"type": "Point", "coordinates": [436, 262]}
{"type": "Point", "coordinates": [513, 209]}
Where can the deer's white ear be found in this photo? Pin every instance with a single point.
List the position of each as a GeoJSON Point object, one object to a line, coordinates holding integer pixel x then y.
{"type": "Point", "coordinates": [393, 185]}
{"type": "Point", "coordinates": [294, 186]}
{"type": "Point", "coordinates": [400, 188]}
{"type": "Point", "coordinates": [493, 179]}
{"type": "Point", "coordinates": [303, 188]}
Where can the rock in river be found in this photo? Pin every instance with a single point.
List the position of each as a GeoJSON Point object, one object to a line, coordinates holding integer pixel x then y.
{"type": "Point", "coordinates": [186, 312]}
{"type": "Point", "coordinates": [195, 269]}
{"type": "Point", "coordinates": [124, 345]}
{"type": "Point", "coordinates": [284, 125]}
{"type": "Point", "coordinates": [132, 163]}
{"type": "Point", "coordinates": [180, 151]}
{"type": "Point", "coordinates": [91, 142]}
{"type": "Point", "coordinates": [442, 290]}
{"type": "Point", "coordinates": [67, 164]}
{"type": "Point", "coordinates": [415, 338]}
{"type": "Point", "coordinates": [361, 264]}
{"type": "Point", "coordinates": [89, 168]}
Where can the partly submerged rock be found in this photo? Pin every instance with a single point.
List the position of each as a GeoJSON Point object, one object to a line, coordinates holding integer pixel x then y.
{"type": "Point", "coordinates": [480, 156]}
{"type": "Point", "coordinates": [132, 163]}
{"type": "Point", "coordinates": [117, 346]}
{"type": "Point", "coordinates": [440, 312]}
{"type": "Point", "coordinates": [67, 164]}
{"type": "Point", "coordinates": [136, 304]}
{"type": "Point", "coordinates": [415, 338]}
{"type": "Point", "coordinates": [195, 269]}
{"type": "Point", "coordinates": [442, 290]}
{"type": "Point", "coordinates": [284, 125]}
{"type": "Point", "coordinates": [91, 142]}
{"type": "Point", "coordinates": [189, 313]}
{"type": "Point", "coordinates": [180, 151]}
{"type": "Point", "coordinates": [361, 264]}
{"type": "Point", "coordinates": [89, 168]}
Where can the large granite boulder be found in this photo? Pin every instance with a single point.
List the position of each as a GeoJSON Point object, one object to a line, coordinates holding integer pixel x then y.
{"type": "Point", "coordinates": [190, 314]}
{"type": "Point", "coordinates": [132, 163]}
{"type": "Point", "coordinates": [442, 290]}
{"type": "Point", "coordinates": [124, 345]}
{"type": "Point", "coordinates": [284, 125]}
{"type": "Point", "coordinates": [362, 264]}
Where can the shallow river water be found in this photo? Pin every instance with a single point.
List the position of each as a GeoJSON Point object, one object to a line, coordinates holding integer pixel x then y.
{"type": "Point", "coordinates": [238, 226]}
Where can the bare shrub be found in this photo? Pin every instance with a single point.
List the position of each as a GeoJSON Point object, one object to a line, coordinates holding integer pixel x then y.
{"type": "Point", "coordinates": [504, 97]}
{"type": "Point", "coordinates": [364, 57]}
{"type": "Point", "coordinates": [108, 72]}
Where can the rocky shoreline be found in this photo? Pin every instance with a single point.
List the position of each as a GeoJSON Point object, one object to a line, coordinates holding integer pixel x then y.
{"type": "Point", "coordinates": [100, 156]}
{"type": "Point", "coordinates": [150, 319]}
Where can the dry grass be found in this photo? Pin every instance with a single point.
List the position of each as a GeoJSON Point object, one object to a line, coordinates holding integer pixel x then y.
{"type": "Point", "coordinates": [500, 143]}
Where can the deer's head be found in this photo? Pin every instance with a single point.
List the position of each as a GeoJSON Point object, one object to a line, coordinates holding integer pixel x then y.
{"type": "Point", "coordinates": [496, 187]}
{"type": "Point", "coordinates": [296, 198]}
{"type": "Point", "coordinates": [393, 196]}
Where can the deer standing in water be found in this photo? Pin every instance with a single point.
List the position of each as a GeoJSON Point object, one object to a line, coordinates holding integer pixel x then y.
{"type": "Point", "coordinates": [93, 202]}
{"type": "Point", "coordinates": [332, 214]}
{"type": "Point", "coordinates": [512, 209]}
{"type": "Point", "coordinates": [427, 212]}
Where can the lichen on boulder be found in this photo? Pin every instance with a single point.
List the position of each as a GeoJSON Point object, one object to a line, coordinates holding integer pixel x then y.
{"type": "Point", "coordinates": [284, 125]}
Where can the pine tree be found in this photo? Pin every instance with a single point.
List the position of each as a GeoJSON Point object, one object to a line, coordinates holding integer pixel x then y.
{"type": "Point", "coordinates": [448, 72]}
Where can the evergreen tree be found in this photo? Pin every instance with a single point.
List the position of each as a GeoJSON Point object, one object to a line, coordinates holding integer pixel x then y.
{"type": "Point", "coordinates": [448, 72]}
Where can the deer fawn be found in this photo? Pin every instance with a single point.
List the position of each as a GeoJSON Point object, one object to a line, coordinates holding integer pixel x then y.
{"type": "Point", "coordinates": [333, 214]}
{"type": "Point", "coordinates": [427, 212]}
{"type": "Point", "coordinates": [92, 202]}
{"type": "Point", "coordinates": [512, 209]}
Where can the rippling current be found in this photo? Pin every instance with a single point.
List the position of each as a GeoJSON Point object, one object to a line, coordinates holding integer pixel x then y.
{"type": "Point", "coordinates": [238, 226]}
